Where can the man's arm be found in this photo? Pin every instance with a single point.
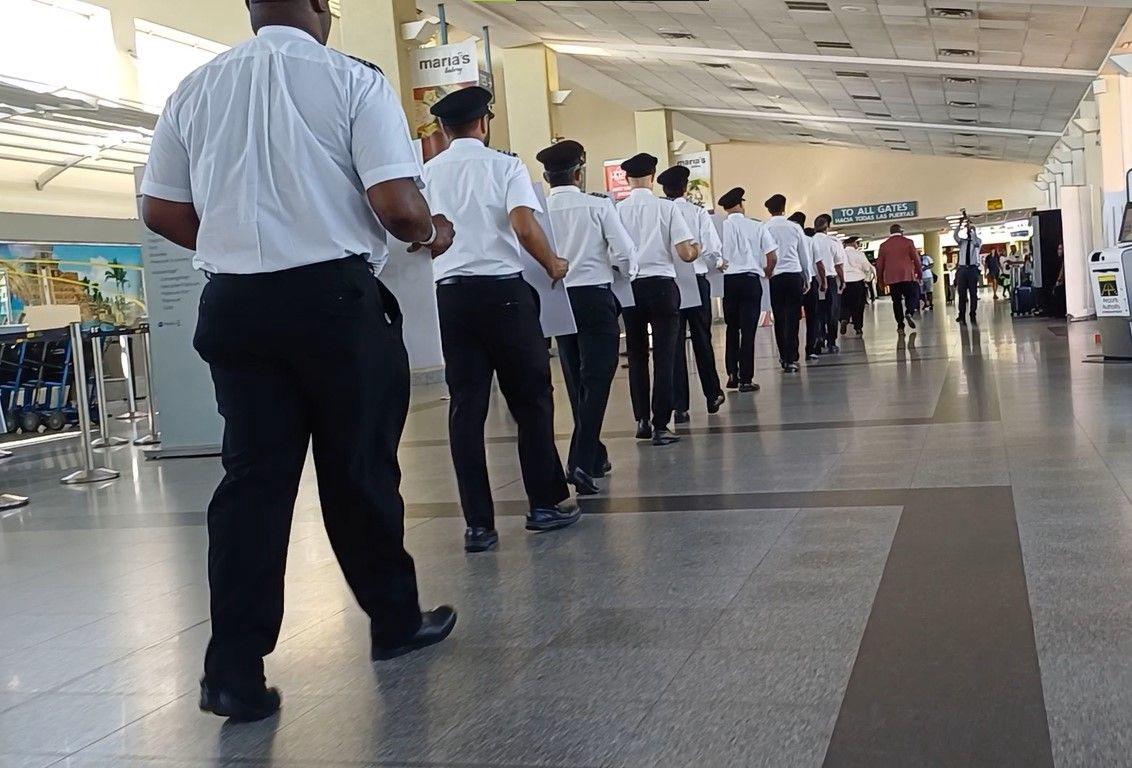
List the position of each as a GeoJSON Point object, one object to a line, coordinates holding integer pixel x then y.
{"type": "Point", "coordinates": [534, 240]}
{"type": "Point", "coordinates": [403, 211]}
{"type": "Point", "coordinates": [620, 242]}
{"type": "Point", "coordinates": [680, 235]}
{"type": "Point", "coordinates": [176, 222]}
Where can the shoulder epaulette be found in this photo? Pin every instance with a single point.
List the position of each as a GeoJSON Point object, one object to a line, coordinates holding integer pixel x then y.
{"type": "Point", "coordinates": [600, 194]}
{"type": "Point", "coordinates": [505, 152]}
{"type": "Point", "coordinates": [369, 64]}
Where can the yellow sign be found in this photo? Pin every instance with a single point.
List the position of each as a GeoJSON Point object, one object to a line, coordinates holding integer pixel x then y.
{"type": "Point", "coordinates": [994, 205]}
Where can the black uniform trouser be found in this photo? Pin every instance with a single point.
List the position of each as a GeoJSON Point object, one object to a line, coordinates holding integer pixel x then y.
{"type": "Point", "coordinates": [967, 285]}
{"type": "Point", "coordinates": [696, 321]}
{"type": "Point", "coordinates": [905, 300]}
{"type": "Point", "coordinates": [786, 304]}
{"type": "Point", "coordinates": [657, 305]}
{"type": "Point", "coordinates": [829, 311]}
{"type": "Point", "coordinates": [336, 373]}
{"type": "Point", "coordinates": [853, 304]}
{"type": "Point", "coordinates": [810, 303]}
{"type": "Point", "coordinates": [742, 305]}
{"type": "Point", "coordinates": [491, 327]}
{"type": "Point", "coordinates": [589, 362]}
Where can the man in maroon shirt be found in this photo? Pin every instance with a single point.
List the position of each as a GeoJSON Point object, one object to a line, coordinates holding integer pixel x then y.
{"type": "Point", "coordinates": [898, 266]}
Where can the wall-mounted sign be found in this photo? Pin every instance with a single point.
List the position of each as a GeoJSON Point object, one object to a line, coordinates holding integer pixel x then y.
{"type": "Point", "coordinates": [699, 183]}
{"type": "Point", "coordinates": [437, 72]}
{"type": "Point", "coordinates": [863, 214]}
{"type": "Point", "coordinates": [995, 205]}
{"type": "Point", "coordinates": [616, 182]}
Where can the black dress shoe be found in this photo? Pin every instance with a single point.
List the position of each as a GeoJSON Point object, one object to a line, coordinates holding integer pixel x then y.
{"type": "Point", "coordinates": [480, 539]}
{"type": "Point", "coordinates": [552, 518]}
{"type": "Point", "coordinates": [961, 320]}
{"type": "Point", "coordinates": [716, 403]}
{"type": "Point", "coordinates": [644, 429]}
{"type": "Point", "coordinates": [436, 625]}
{"type": "Point", "coordinates": [792, 368]}
{"type": "Point", "coordinates": [664, 437]}
{"type": "Point", "coordinates": [749, 387]}
{"type": "Point", "coordinates": [811, 356]}
{"type": "Point", "coordinates": [844, 327]}
{"type": "Point", "coordinates": [835, 350]}
{"type": "Point", "coordinates": [605, 468]}
{"type": "Point", "coordinates": [682, 417]}
{"type": "Point", "coordinates": [974, 320]}
{"type": "Point", "coordinates": [582, 482]}
{"type": "Point", "coordinates": [732, 382]}
{"type": "Point", "coordinates": [911, 322]}
{"type": "Point", "coordinates": [900, 328]}
{"type": "Point", "coordinates": [242, 706]}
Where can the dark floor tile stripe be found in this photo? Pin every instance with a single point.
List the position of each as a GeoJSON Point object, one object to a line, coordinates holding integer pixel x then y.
{"type": "Point", "coordinates": [947, 672]}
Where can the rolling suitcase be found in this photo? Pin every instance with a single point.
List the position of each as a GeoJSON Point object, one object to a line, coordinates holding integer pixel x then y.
{"type": "Point", "coordinates": [1022, 300]}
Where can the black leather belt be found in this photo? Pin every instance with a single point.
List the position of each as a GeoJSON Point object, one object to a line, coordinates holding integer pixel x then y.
{"type": "Point", "coordinates": [458, 279]}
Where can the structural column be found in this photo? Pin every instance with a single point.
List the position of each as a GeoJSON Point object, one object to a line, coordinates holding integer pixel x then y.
{"type": "Point", "coordinates": [1114, 108]}
{"type": "Point", "coordinates": [654, 134]}
{"type": "Point", "coordinates": [371, 30]}
{"type": "Point", "coordinates": [531, 75]}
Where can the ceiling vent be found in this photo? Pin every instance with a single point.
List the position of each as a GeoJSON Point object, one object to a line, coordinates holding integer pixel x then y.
{"type": "Point", "coordinates": [890, 130]}
{"type": "Point", "coordinates": [834, 45]}
{"type": "Point", "coordinates": [901, 149]}
{"type": "Point", "coordinates": [967, 135]}
{"type": "Point", "coordinates": [716, 65]}
{"type": "Point", "coordinates": [877, 114]}
{"type": "Point", "coordinates": [957, 53]}
{"type": "Point", "coordinates": [859, 97]}
{"type": "Point", "coordinates": [895, 141]}
{"type": "Point", "coordinates": [807, 5]}
{"type": "Point", "coordinates": [745, 89]}
{"type": "Point", "coordinates": [815, 141]}
{"type": "Point", "coordinates": [857, 75]}
{"type": "Point", "coordinates": [965, 120]}
{"type": "Point", "coordinates": [962, 104]}
{"type": "Point", "coordinates": [677, 35]}
{"type": "Point", "coordinates": [804, 135]}
{"type": "Point", "coordinates": [952, 80]}
{"type": "Point", "coordinates": [952, 13]}
{"type": "Point", "coordinates": [772, 107]}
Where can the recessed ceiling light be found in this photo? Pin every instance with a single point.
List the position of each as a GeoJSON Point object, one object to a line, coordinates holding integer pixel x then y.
{"type": "Point", "coordinates": [952, 80]}
{"type": "Point", "coordinates": [962, 53]}
{"type": "Point", "coordinates": [953, 13]}
{"type": "Point", "coordinates": [676, 35]}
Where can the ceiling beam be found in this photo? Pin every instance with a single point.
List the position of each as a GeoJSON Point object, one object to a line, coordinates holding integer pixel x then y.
{"type": "Point", "coordinates": [910, 66]}
{"type": "Point", "coordinates": [755, 114]}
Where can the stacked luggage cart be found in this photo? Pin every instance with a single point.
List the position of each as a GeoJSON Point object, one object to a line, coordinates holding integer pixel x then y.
{"type": "Point", "coordinates": [35, 382]}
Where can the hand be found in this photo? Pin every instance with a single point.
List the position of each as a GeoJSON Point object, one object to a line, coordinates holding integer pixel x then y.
{"type": "Point", "coordinates": [445, 233]}
{"type": "Point", "coordinates": [806, 288]}
{"type": "Point", "coordinates": [634, 270]}
{"type": "Point", "coordinates": [723, 265]}
{"type": "Point", "coordinates": [557, 269]}
{"type": "Point", "coordinates": [825, 285]}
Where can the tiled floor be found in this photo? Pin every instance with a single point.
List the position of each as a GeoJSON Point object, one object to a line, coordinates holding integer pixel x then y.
{"type": "Point", "coordinates": [735, 600]}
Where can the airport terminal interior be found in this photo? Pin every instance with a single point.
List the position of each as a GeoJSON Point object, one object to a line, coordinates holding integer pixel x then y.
{"type": "Point", "coordinates": [915, 551]}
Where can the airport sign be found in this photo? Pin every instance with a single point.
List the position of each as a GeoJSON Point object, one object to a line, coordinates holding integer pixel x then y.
{"type": "Point", "coordinates": [864, 214]}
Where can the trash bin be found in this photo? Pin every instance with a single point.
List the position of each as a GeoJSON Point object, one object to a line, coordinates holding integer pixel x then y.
{"type": "Point", "coordinates": [1109, 274]}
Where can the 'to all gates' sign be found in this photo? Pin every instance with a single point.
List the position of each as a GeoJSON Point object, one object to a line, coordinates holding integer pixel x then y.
{"type": "Point", "coordinates": [862, 214]}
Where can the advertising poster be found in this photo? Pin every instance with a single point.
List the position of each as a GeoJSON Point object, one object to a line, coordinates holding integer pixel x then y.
{"type": "Point", "coordinates": [105, 281]}
{"type": "Point", "coordinates": [616, 182]}
{"type": "Point", "coordinates": [699, 182]}
{"type": "Point", "coordinates": [437, 72]}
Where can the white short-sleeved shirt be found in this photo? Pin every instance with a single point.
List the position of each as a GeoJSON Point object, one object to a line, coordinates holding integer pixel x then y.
{"type": "Point", "coordinates": [857, 267]}
{"type": "Point", "coordinates": [477, 187]}
{"type": "Point", "coordinates": [828, 250]}
{"type": "Point", "coordinates": [589, 234]}
{"type": "Point", "coordinates": [657, 228]}
{"type": "Point", "coordinates": [794, 248]}
{"type": "Point", "coordinates": [703, 232]}
{"type": "Point", "coordinates": [275, 143]}
{"type": "Point", "coordinates": [746, 243]}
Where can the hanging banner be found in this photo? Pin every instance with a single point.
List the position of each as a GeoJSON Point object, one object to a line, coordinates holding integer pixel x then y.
{"type": "Point", "coordinates": [699, 182]}
{"type": "Point", "coordinates": [616, 182]}
{"type": "Point", "coordinates": [189, 422]}
{"type": "Point", "coordinates": [437, 72]}
{"type": "Point", "coordinates": [863, 214]}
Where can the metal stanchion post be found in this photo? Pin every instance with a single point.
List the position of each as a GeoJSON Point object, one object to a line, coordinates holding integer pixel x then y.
{"type": "Point", "coordinates": [89, 473]}
{"type": "Point", "coordinates": [132, 413]}
{"type": "Point", "coordinates": [154, 436]}
{"type": "Point", "coordinates": [104, 439]}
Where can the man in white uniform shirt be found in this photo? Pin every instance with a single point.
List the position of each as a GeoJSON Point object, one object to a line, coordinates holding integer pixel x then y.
{"type": "Point", "coordinates": [858, 273]}
{"type": "Point", "coordinates": [661, 235]}
{"type": "Point", "coordinates": [832, 257]}
{"type": "Point", "coordinates": [967, 272]}
{"type": "Point", "coordinates": [489, 316]}
{"type": "Point", "coordinates": [751, 255]}
{"type": "Point", "coordinates": [589, 234]}
{"type": "Point", "coordinates": [790, 282]}
{"type": "Point", "coordinates": [285, 166]}
{"type": "Point", "coordinates": [696, 320]}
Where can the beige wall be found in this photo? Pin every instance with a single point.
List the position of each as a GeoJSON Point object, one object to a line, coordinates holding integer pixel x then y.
{"type": "Point", "coordinates": [816, 179]}
{"type": "Point", "coordinates": [605, 129]}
